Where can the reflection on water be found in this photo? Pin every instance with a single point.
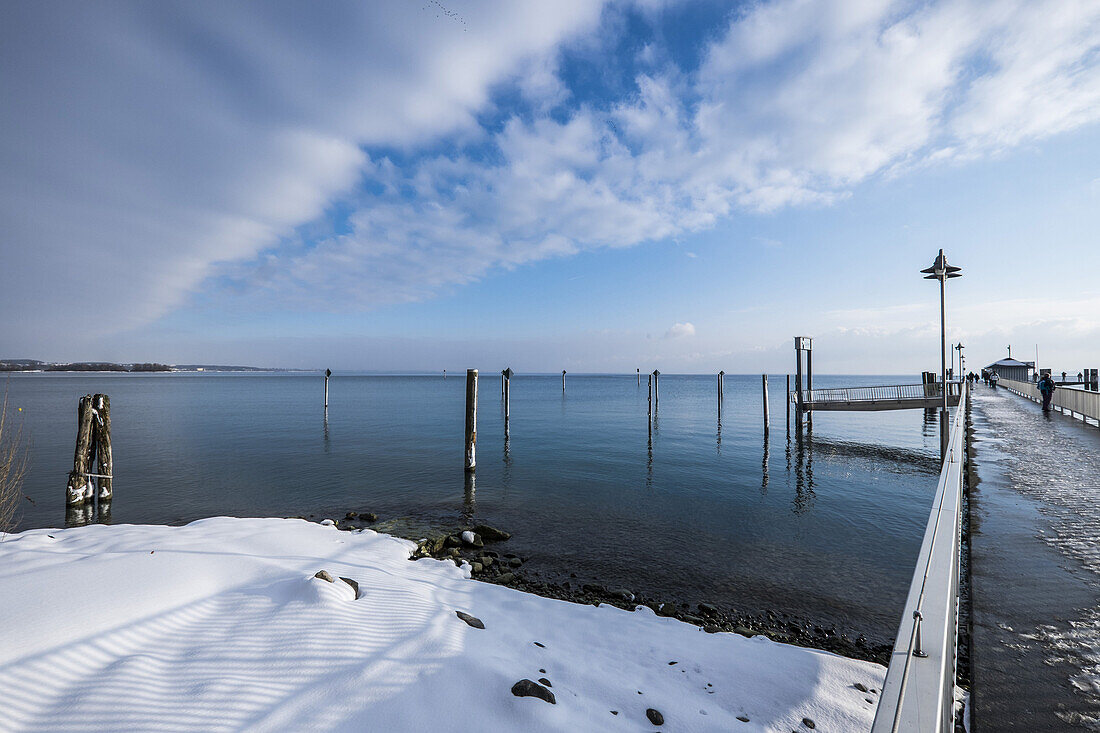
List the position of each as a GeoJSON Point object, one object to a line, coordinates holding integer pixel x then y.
{"type": "Point", "coordinates": [764, 465]}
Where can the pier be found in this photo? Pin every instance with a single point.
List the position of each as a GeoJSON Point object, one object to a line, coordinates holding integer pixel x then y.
{"type": "Point", "coordinates": [1034, 566]}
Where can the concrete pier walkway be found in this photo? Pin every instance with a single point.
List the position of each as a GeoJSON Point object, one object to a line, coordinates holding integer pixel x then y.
{"type": "Point", "coordinates": [1035, 568]}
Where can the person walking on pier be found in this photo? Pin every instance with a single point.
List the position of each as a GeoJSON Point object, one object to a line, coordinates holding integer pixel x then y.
{"type": "Point", "coordinates": [1046, 388]}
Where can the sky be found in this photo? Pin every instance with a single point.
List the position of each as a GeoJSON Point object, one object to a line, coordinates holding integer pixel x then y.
{"type": "Point", "coordinates": [580, 185]}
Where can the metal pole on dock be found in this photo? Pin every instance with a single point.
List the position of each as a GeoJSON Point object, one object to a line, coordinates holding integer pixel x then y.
{"type": "Point", "coordinates": [328, 373]}
{"type": "Point", "coordinates": [471, 419]}
{"type": "Point", "coordinates": [797, 383]}
{"type": "Point", "coordinates": [942, 271]}
{"type": "Point", "coordinates": [767, 410]}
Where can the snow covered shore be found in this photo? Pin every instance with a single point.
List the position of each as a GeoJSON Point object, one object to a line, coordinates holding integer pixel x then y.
{"type": "Point", "coordinates": [221, 625]}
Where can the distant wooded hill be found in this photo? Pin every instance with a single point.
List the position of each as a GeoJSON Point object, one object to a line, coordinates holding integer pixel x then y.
{"type": "Point", "coordinates": [33, 365]}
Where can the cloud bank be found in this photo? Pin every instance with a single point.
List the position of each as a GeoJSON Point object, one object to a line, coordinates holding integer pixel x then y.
{"type": "Point", "coordinates": [346, 155]}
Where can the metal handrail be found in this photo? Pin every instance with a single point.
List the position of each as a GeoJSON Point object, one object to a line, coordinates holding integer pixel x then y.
{"type": "Point", "coordinates": [878, 393]}
{"type": "Point", "coordinates": [903, 707]}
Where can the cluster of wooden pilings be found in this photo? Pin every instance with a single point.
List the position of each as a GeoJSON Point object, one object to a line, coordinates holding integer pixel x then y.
{"type": "Point", "coordinates": [93, 467]}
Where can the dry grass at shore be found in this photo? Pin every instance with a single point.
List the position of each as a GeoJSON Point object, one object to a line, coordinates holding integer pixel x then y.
{"type": "Point", "coordinates": [13, 467]}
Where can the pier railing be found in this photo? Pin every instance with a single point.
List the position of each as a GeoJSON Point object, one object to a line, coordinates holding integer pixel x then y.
{"type": "Point", "coordinates": [919, 692]}
{"type": "Point", "coordinates": [1076, 402]}
{"type": "Point", "coordinates": [883, 393]}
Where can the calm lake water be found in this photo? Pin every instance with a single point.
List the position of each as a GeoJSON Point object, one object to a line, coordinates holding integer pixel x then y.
{"type": "Point", "coordinates": [826, 527]}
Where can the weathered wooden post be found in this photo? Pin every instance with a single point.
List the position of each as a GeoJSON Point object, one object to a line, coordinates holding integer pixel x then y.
{"type": "Point", "coordinates": [639, 371]}
{"type": "Point", "coordinates": [787, 402]}
{"type": "Point", "coordinates": [656, 389]}
{"type": "Point", "coordinates": [102, 429]}
{"type": "Point", "coordinates": [79, 489]}
{"type": "Point", "coordinates": [93, 438]}
{"type": "Point", "coordinates": [649, 397]}
{"type": "Point", "coordinates": [719, 397]}
{"type": "Point", "coordinates": [328, 373]}
{"type": "Point", "coordinates": [471, 418]}
{"type": "Point", "coordinates": [563, 380]}
{"type": "Point", "coordinates": [767, 407]}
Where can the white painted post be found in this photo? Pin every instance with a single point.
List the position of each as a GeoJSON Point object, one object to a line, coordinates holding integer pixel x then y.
{"type": "Point", "coordinates": [328, 373]}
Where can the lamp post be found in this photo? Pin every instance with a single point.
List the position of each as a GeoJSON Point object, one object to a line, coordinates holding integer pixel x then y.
{"type": "Point", "coordinates": [962, 368]}
{"type": "Point", "coordinates": [942, 271]}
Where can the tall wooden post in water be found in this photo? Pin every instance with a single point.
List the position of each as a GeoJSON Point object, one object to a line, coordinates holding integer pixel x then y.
{"type": "Point", "coordinates": [767, 410]}
{"type": "Point", "coordinates": [93, 439]}
{"type": "Point", "coordinates": [328, 373]}
{"type": "Point", "coordinates": [506, 375]}
{"type": "Point", "coordinates": [656, 389]}
{"type": "Point", "coordinates": [787, 403]}
{"type": "Point", "coordinates": [471, 419]}
{"type": "Point", "coordinates": [563, 381]}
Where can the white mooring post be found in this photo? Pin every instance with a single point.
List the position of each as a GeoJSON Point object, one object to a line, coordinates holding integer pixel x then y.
{"type": "Point", "coordinates": [328, 373]}
{"type": "Point", "coordinates": [563, 380]}
{"type": "Point", "coordinates": [767, 410]}
{"type": "Point", "coordinates": [471, 418]}
{"type": "Point", "coordinates": [507, 376]}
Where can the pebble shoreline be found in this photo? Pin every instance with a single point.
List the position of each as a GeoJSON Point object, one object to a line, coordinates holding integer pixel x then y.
{"type": "Point", "coordinates": [491, 563]}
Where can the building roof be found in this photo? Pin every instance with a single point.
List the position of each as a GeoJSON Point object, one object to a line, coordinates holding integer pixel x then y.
{"type": "Point", "coordinates": [1011, 363]}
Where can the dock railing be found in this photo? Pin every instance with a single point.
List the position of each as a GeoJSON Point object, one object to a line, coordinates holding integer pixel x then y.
{"type": "Point", "coordinates": [919, 692]}
{"type": "Point", "coordinates": [884, 393]}
{"type": "Point", "coordinates": [1077, 402]}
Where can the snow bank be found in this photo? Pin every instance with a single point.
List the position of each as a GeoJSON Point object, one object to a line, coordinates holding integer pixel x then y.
{"type": "Point", "coordinates": [221, 625]}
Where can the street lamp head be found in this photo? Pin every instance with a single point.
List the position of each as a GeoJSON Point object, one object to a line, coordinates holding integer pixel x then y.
{"type": "Point", "coordinates": [940, 269]}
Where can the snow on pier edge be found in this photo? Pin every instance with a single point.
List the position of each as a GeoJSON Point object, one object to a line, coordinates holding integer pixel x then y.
{"type": "Point", "coordinates": [221, 625]}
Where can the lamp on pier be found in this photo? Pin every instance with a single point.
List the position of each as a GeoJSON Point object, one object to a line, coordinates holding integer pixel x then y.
{"type": "Point", "coordinates": [942, 271]}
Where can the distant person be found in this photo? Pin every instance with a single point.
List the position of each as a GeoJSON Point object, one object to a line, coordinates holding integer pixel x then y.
{"type": "Point", "coordinates": [1046, 388]}
{"type": "Point", "coordinates": [993, 380]}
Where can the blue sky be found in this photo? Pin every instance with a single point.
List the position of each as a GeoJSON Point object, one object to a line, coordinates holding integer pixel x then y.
{"type": "Point", "coordinates": [596, 187]}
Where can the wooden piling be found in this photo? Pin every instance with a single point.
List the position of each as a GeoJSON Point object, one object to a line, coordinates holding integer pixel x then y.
{"type": "Point", "coordinates": [471, 419]}
{"type": "Point", "coordinates": [639, 370]}
{"type": "Point", "coordinates": [719, 396]}
{"type": "Point", "coordinates": [506, 375]}
{"type": "Point", "coordinates": [563, 380]}
{"type": "Point", "coordinates": [656, 389]}
{"type": "Point", "coordinates": [767, 407]}
{"type": "Point", "coordinates": [328, 373]}
{"type": "Point", "coordinates": [649, 397]}
{"type": "Point", "coordinates": [102, 432]}
{"type": "Point", "coordinates": [79, 489]}
{"type": "Point", "coordinates": [787, 403]}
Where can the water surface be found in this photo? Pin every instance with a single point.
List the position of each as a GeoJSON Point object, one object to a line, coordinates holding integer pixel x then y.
{"type": "Point", "coordinates": [826, 526]}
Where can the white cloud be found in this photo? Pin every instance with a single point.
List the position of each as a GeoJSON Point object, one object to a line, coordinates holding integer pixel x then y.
{"type": "Point", "coordinates": [796, 103]}
{"type": "Point", "coordinates": [204, 134]}
{"type": "Point", "coordinates": [680, 330]}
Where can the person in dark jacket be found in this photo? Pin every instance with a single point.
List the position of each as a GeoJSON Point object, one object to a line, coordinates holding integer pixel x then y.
{"type": "Point", "coordinates": [1046, 388]}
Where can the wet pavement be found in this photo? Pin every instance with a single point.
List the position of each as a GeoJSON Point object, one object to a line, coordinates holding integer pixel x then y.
{"type": "Point", "coordinates": [1035, 568]}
